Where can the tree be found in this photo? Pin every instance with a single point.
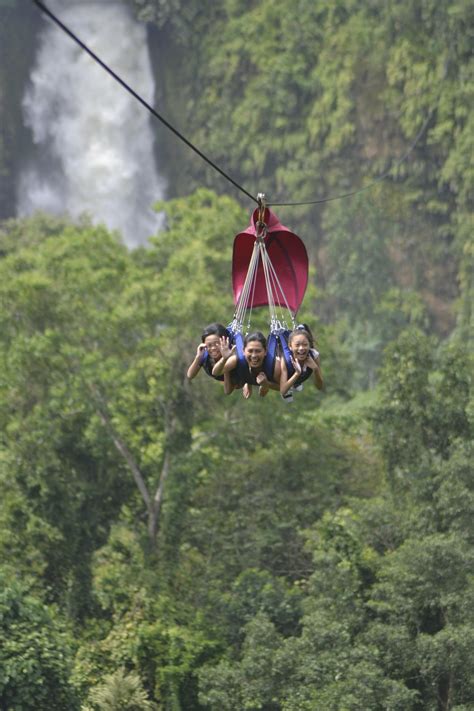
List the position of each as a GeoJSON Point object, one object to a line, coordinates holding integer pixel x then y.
{"type": "Point", "coordinates": [385, 620]}
{"type": "Point", "coordinates": [35, 652]}
{"type": "Point", "coordinates": [119, 692]}
{"type": "Point", "coordinates": [98, 318]}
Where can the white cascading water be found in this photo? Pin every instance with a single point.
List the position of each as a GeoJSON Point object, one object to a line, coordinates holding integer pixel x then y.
{"type": "Point", "coordinates": [93, 141]}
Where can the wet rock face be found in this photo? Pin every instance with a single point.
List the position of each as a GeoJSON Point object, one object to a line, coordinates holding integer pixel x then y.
{"type": "Point", "coordinates": [19, 24]}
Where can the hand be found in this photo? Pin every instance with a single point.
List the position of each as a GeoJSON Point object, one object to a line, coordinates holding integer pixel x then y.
{"type": "Point", "coordinates": [200, 350]}
{"type": "Point", "coordinates": [311, 363]}
{"type": "Point", "coordinates": [261, 378]}
{"type": "Point", "coordinates": [226, 350]}
{"type": "Point", "coordinates": [297, 366]}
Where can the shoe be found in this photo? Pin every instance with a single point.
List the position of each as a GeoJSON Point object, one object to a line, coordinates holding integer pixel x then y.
{"type": "Point", "coordinates": [298, 388]}
{"type": "Point", "coordinates": [288, 397]}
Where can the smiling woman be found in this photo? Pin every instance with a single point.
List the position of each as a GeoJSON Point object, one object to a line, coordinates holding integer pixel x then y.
{"type": "Point", "coordinates": [213, 350]}
{"type": "Point", "coordinates": [255, 370]}
{"type": "Point", "coordinates": [305, 362]}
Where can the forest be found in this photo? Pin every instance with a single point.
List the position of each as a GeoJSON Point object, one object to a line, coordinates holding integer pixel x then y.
{"type": "Point", "coordinates": [165, 547]}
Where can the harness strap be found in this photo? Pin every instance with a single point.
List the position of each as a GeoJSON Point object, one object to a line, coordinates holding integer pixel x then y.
{"type": "Point", "coordinates": [241, 374]}
{"type": "Point", "coordinates": [285, 350]}
{"type": "Point", "coordinates": [270, 358]}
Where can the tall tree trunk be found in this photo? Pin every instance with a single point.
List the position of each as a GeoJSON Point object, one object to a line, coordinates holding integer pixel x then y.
{"type": "Point", "coordinates": [153, 505]}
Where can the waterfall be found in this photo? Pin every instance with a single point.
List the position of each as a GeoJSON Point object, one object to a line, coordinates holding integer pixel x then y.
{"type": "Point", "coordinates": [93, 142]}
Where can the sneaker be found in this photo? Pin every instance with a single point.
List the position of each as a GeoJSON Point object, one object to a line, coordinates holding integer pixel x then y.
{"type": "Point", "coordinates": [288, 397]}
{"type": "Point", "coordinates": [299, 388]}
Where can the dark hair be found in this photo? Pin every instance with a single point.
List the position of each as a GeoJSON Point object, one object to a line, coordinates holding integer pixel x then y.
{"type": "Point", "coordinates": [256, 336]}
{"type": "Point", "coordinates": [302, 330]}
{"type": "Point", "coordinates": [214, 329]}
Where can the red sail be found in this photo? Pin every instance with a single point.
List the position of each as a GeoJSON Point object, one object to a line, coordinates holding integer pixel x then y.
{"type": "Point", "coordinates": [288, 255]}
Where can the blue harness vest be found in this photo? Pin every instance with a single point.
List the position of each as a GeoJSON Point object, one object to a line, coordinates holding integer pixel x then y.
{"type": "Point", "coordinates": [285, 349]}
{"type": "Point", "coordinates": [242, 373]}
{"type": "Point", "coordinates": [282, 336]}
{"type": "Point", "coordinates": [207, 365]}
{"type": "Point", "coordinates": [304, 376]}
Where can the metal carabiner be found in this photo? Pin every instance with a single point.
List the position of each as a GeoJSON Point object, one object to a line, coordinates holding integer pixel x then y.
{"type": "Point", "coordinates": [261, 225]}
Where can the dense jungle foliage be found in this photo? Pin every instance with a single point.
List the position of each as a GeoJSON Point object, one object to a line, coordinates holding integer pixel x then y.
{"type": "Point", "coordinates": [165, 547]}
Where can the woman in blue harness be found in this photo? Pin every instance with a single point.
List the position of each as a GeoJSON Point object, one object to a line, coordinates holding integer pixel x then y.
{"type": "Point", "coordinates": [305, 362]}
{"type": "Point", "coordinates": [250, 366]}
{"type": "Point", "coordinates": [213, 349]}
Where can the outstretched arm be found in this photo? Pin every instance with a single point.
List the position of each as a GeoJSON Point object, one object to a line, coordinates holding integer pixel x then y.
{"type": "Point", "coordinates": [229, 366]}
{"type": "Point", "coordinates": [226, 352]}
{"type": "Point", "coordinates": [195, 366]}
{"type": "Point", "coordinates": [228, 384]}
{"type": "Point", "coordinates": [318, 376]}
{"type": "Point", "coordinates": [315, 365]}
{"type": "Point", "coordinates": [287, 382]}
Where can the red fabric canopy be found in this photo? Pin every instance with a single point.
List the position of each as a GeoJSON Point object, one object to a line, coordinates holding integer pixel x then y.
{"type": "Point", "coordinates": [288, 255]}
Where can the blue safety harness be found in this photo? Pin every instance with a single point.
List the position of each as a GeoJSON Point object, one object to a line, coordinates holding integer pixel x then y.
{"type": "Point", "coordinates": [242, 373]}
{"type": "Point", "coordinates": [207, 364]}
{"type": "Point", "coordinates": [282, 336]}
{"type": "Point", "coordinates": [287, 355]}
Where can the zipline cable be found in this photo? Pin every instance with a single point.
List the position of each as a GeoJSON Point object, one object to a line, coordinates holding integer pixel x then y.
{"type": "Point", "coordinates": [137, 96]}
{"type": "Point", "coordinates": [177, 133]}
